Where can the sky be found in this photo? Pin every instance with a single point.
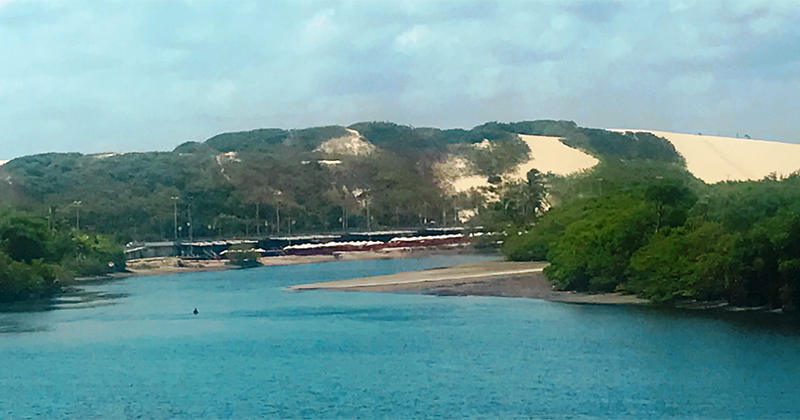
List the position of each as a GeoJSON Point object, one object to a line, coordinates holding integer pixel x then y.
{"type": "Point", "coordinates": [102, 76]}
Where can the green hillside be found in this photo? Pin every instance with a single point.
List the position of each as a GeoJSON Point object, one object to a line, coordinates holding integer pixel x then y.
{"type": "Point", "coordinates": [244, 182]}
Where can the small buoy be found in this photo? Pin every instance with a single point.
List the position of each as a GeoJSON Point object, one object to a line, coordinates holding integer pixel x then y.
{"type": "Point", "coordinates": [195, 311]}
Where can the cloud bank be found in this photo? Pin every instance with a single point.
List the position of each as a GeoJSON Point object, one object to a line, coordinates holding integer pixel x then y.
{"type": "Point", "coordinates": [121, 76]}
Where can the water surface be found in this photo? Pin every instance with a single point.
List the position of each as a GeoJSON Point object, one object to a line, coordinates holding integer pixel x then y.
{"type": "Point", "coordinates": [133, 349]}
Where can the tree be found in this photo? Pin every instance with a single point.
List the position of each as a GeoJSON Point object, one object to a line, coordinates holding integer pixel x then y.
{"type": "Point", "coordinates": [693, 261]}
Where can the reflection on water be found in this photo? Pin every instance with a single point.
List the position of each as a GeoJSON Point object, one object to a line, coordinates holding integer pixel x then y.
{"type": "Point", "coordinates": [133, 349]}
{"type": "Point", "coordinates": [744, 321]}
{"type": "Point", "coordinates": [31, 315]}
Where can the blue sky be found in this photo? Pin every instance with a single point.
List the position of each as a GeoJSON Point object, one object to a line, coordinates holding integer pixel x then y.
{"type": "Point", "coordinates": [149, 75]}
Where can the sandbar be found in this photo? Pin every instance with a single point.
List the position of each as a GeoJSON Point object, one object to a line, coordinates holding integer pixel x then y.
{"type": "Point", "coordinates": [485, 278]}
{"type": "Point", "coordinates": [171, 265]}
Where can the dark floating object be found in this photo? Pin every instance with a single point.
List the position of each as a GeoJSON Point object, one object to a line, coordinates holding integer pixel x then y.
{"type": "Point", "coordinates": [195, 311]}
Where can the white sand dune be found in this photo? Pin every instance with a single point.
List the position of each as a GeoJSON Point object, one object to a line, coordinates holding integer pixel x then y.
{"type": "Point", "coordinates": [714, 159]}
{"type": "Point", "coordinates": [548, 154]}
{"type": "Point", "coordinates": [352, 144]}
{"type": "Point", "coordinates": [3, 162]}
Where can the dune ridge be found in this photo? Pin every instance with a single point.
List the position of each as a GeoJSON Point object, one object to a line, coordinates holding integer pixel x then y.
{"type": "Point", "coordinates": [716, 159]}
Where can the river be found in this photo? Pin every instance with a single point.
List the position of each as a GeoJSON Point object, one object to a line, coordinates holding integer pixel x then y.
{"type": "Point", "coordinates": [132, 348]}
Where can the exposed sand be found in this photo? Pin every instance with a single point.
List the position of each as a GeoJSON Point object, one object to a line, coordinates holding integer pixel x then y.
{"type": "Point", "coordinates": [469, 182]}
{"type": "Point", "coordinates": [3, 162]}
{"type": "Point", "coordinates": [714, 159]}
{"type": "Point", "coordinates": [168, 265]}
{"type": "Point", "coordinates": [384, 254]}
{"type": "Point", "coordinates": [436, 276]}
{"type": "Point", "coordinates": [487, 278]}
{"type": "Point", "coordinates": [548, 154]}
{"type": "Point", "coordinates": [353, 145]}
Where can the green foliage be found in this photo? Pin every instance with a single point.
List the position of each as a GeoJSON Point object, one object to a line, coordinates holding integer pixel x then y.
{"type": "Point", "coordinates": [274, 176]}
{"type": "Point", "coordinates": [196, 148]}
{"type": "Point", "coordinates": [520, 203]}
{"type": "Point", "coordinates": [693, 261]}
{"type": "Point", "coordinates": [594, 251]}
{"type": "Point", "coordinates": [649, 228]}
{"type": "Point", "coordinates": [32, 257]}
{"type": "Point", "coordinates": [632, 177]}
{"type": "Point", "coordinates": [606, 145]}
{"type": "Point", "coordinates": [20, 280]}
{"type": "Point", "coordinates": [243, 255]}
{"type": "Point", "coordinates": [610, 145]}
{"type": "Point", "coordinates": [249, 140]}
{"type": "Point", "coordinates": [22, 238]}
{"type": "Point", "coordinates": [498, 157]}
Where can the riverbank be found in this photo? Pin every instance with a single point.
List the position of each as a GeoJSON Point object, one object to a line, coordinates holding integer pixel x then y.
{"type": "Point", "coordinates": [485, 278]}
{"type": "Point", "coordinates": [171, 265]}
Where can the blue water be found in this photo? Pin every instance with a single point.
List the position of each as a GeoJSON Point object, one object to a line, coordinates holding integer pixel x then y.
{"type": "Point", "coordinates": [132, 349]}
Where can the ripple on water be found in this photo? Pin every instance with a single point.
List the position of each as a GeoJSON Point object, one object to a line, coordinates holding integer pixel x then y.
{"type": "Point", "coordinates": [132, 348]}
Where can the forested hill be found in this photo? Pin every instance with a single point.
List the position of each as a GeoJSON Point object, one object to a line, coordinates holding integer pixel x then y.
{"type": "Point", "coordinates": [275, 180]}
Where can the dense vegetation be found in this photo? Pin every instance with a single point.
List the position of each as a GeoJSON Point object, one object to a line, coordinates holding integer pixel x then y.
{"type": "Point", "coordinates": [606, 145]}
{"type": "Point", "coordinates": [638, 222]}
{"type": "Point", "coordinates": [277, 181]}
{"type": "Point", "coordinates": [33, 257]}
{"type": "Point", "coordinates": [650, 228]}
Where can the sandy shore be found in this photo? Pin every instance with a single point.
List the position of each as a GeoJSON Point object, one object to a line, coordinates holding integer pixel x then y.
{"type": "Point", "coordinates": [486, 278]}
{"type": "Point", "coordinates": [170, 265]}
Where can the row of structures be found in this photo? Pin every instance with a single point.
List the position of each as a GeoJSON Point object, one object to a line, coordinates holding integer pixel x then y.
{"type": "Point", "coordinates": [301, 245]}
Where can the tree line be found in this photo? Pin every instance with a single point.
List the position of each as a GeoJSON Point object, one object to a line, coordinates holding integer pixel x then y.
{"type": "Point", "coordinates": [271, 181]}
{"type": "Point", "coordinates": [35, 258]}
{"type": "Point", "coordinates": [652, 229]}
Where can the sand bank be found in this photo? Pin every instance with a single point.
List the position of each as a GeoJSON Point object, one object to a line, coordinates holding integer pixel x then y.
{"type": "Point", "coordinates": [170, 265]}
{"type": "Point", "coordinates": [486, 278]}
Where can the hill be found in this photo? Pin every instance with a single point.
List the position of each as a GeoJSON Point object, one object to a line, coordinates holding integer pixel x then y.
{"type": "Point", "coordinates": [367, 175]}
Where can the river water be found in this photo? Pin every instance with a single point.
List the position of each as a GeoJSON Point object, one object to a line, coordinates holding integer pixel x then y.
{"type": "Point", "coordinates": [132, 348]}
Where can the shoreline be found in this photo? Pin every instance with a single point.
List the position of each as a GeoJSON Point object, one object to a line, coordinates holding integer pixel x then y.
{"type": "Point", "coordinates": [174, 265]}
{"type": "Point", "coordinates": [485, 278]}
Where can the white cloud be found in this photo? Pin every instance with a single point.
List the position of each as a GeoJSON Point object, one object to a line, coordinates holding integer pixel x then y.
{"type": "Point", "coordinates": [319, 30]}
{"type": "Point", "coordinates": [74, 72]}
{"type": "Point", "coordinates": [413, 38]}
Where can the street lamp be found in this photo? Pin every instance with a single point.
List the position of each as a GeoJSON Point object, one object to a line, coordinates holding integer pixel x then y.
{"type": "Point", "coordinates": [189, 223]}
{"type": "Point", "coordinates": [77, 214]}
{"type": "Point", "coordinates": [175, 215]}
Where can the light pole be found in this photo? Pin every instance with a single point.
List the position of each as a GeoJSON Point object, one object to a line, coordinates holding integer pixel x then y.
{"type": "Point", "coordinates": [189, 223]}
{"type": "Point", "coordinates": [369, 219]}
{"type": "Point", "coordinates": [77, 214]}
{"type": "Point", "coordinates": [175, 215]}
